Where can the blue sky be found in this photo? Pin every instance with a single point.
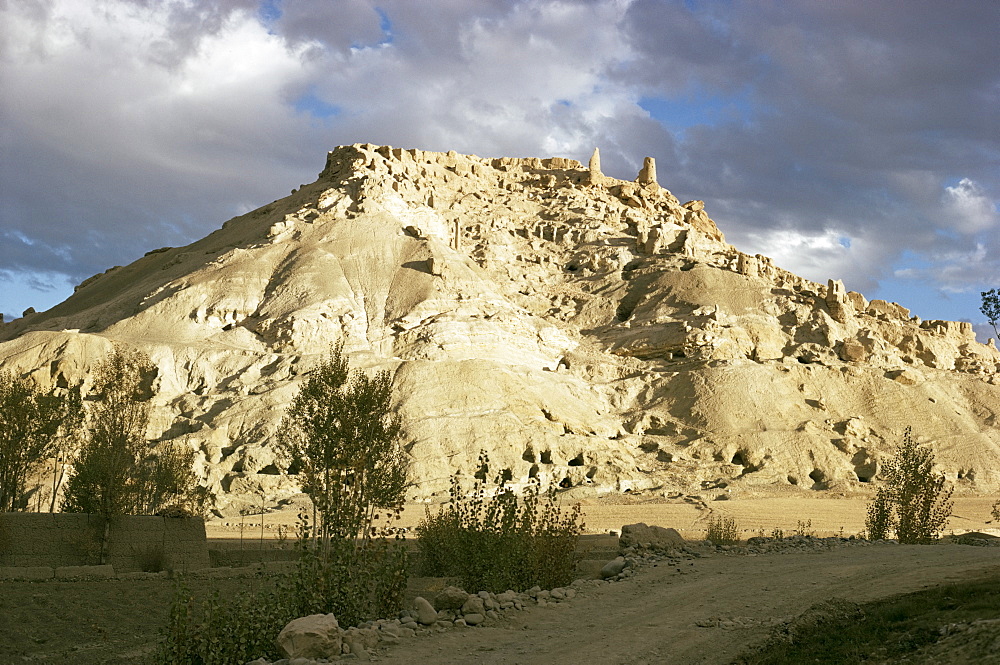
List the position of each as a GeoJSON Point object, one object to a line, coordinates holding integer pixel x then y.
{"type": "Point", "coordinates": [845, 139]}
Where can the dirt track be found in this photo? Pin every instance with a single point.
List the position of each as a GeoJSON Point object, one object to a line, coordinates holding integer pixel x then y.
{"type": "Point", "coordinates": [651, 617]}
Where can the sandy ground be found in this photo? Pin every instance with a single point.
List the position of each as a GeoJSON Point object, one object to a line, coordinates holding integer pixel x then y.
{"type": "Point", "coordinates": [828, 516]}
{"type": "Point", "coordinates": [652, 617]}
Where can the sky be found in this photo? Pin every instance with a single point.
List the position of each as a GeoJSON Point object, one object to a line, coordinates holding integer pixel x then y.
{"type": "Point", "coordinates": [855, 140]}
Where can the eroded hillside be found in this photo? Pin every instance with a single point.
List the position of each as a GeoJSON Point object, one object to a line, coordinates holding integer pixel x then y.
{"type": "Point", "coordinates": [586, 330]}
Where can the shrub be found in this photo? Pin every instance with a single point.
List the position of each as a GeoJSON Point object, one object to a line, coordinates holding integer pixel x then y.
{"type": "Point", "coordinates": [216, 632]}
{"type": "Point", "coordinates": [913, 502]}
{"type": "Point", "coordinates": [495, 540]}
{"type": "Point", "coordinates": [723, 531]}
{"type": "Point", "coordinates": [355, 581]}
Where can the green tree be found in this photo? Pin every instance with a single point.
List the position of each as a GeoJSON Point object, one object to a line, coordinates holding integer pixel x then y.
{"type": "Point", "coordinates": [913, 501]}
{"type": "Point", "coordinates": [116, 472]}
{"type": "Point", "coordinates": [31, 424]}
{"type": "Point", "coordinates": [341, 433]}
{"type": "Point", "coordinates": [166, 484]}
{"type": "Point", "coordinates": [103, 477]}
{"type": "Point", "coordinates": [991, 309]}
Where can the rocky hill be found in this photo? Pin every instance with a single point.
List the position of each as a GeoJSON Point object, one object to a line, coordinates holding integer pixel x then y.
{"type": "Point", "coordinates": [582, 329]}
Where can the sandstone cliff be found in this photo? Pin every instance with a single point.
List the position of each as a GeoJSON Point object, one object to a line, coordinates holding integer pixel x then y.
{"type": "Point", "coordinates": [586, 330]}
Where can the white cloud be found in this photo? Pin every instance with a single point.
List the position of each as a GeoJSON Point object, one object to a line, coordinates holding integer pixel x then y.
{"type": "Point", "coordinates": [828, 254]}
{"type": "Point", "coordinates": [166, 117]}
{"type": "Point", "coordinates": [968, 208]}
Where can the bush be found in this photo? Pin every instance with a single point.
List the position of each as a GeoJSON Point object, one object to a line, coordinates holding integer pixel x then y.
{"type": "Point", "coordinates": [723, 531]}
{"type": "Point", "coordinates": [355, 581]}
{"type": "Point", "coordinates": [804, 528]}
{"type": "Point", "coordinates": [494, 540]}
{"type": "Point", "coordinates": [913, 502]}
{"type": "Point", "coordinates": [214, 632]}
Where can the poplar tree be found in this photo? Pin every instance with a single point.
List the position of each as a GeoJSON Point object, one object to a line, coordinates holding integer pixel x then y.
{"type": "Point", "coordinates": [32, 422]}
{"type": "Point", "coordinates": [341, 433]}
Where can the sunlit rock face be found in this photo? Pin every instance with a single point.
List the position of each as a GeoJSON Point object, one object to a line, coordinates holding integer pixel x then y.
{"type": "Point", "coordinates": [584, 330]}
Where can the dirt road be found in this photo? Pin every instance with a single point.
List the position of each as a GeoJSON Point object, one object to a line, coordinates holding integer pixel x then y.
{"type": "Point", "coordinates": [653, 616]}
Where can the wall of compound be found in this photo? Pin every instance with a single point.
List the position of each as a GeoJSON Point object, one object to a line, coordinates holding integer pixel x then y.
{"type": "Point", "coordinates": [137, 543]}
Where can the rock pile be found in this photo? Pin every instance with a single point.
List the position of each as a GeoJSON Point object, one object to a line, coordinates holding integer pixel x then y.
{"type": "Point", "coordinates": [588, 331]}
{"type": "Point", "coordinates": [319, 638]}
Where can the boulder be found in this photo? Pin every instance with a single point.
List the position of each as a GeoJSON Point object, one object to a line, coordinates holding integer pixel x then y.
{"type": "Point", "coordinates": [474, 619]}
{"type": "Point", "coordinates": [852, 351]}
{"type": "Point", "coordinates": [906, 377]}
{"type": "Point", "coordinates": [612, 568]}
{"type": "Point", "coordinates": [313, 636]}
{"type": "Point", "coordinates": [655, 537]}
{"type": "Point", "coordinates": [450, 598]}
{"type": "Point", "coordinates": [426, 614]}
{"type": "Point", "coordinates": [474, 605]}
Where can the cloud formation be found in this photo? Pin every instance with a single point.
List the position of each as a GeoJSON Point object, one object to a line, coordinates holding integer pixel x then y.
{"type": "Point", "coordinates": [845, 139]}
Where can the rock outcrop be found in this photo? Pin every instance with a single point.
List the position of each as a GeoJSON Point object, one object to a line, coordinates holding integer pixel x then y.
{"type": "Point", "coordinates": [584, 330]}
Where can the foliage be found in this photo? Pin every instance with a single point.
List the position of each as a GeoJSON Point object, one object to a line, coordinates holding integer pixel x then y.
{"type": "Point", "coordinates": [165, 483]}
{"type": "Point", "coordinates": [103, 480]}
{"type": "Point", "coordinates": [913, 502]}
{"type": "Point", "coordinates": [341, 433]}
{"type": "Point", "coordinates": [354, 581]}
{"type": "Point", "coordinates": [991, 308]}
{"type": "Point", "coordinates": [495, 540]}
{"type": "Point", "coordinates": [32, 422]}
{"type": "Point", "coordinates": [880, 520]}
{"type": "Point", "coordinates": [217, 632]}
{"type": "Point", "coordinates": [116, 472]}
{"type": "Point", "coordinates": [890, 630]}
{"type": "Point", "coordinates": [723, 531]}
{"type": "Point", "coordinates": [804, 528]}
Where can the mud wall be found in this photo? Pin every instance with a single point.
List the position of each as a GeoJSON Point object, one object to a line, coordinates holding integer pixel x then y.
{"type": "Point", "coordinates": [137, 543]}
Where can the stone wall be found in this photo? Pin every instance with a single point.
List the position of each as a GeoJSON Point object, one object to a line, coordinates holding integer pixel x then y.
{"type": "Point", "coordinates": [138, 542]}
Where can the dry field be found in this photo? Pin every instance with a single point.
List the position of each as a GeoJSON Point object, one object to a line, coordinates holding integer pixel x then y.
{"type": "Point", "coordinates": [828, 516]}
